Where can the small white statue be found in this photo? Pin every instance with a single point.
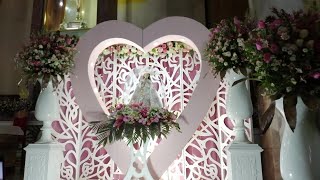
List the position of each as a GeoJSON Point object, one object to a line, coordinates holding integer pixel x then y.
{"type": "Point", "coordinates": [146, 93]}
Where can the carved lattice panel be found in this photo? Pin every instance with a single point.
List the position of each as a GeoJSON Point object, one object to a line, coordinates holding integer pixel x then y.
{"type": "Point", "coordinates": [175, 78]}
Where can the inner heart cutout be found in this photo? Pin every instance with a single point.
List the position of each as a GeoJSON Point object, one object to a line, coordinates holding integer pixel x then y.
{"type": "Point", "coordinates": [117, 32]}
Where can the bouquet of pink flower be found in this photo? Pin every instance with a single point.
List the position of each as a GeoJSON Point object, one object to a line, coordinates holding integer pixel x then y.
{"type": "Point", "coordinates": [47, 56]}
{"type": "Point", "coordinates": [225, 49]}
{"type": "Point", "coordinates": [136, 123]}
{"type": "Point", "coordinates": [169, 48]}
{"type": "Point", "coordinates": [284, 53]}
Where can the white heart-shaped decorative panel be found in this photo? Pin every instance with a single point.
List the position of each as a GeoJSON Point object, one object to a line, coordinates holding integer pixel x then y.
{"type": "Point", "coordinates": [169, 29]}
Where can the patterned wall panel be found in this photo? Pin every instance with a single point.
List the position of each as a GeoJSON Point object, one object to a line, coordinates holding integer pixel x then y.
{"type": "Point", "coordinates": [175, 77]}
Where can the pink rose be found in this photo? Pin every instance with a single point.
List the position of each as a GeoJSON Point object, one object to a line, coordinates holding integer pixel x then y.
{"type": "Point", "coordinates": [261, 24]}
{"type": "Point", "coordinates": [259, 45]}
{"type": "Point", "coordinates": [267, 57]}
{"type": "Point", "coordinates": [68, 41]}
{"type": "Point", "coordinates": [144, 112]}
{"type": "Point", "coordinates": [173, 116]}
{"type": "Point", "coordinates": [216, 30]}
{"type": "Point", "coordinates": [236, 21]}
{"type": "Point", "coordinates": [316, 75]}
{"type": "Point", "coordinates": [126, 119]}
{"type": "Point", "coordinates": [118, 122]}
{"type": "Point", "coordinates": [274, 48]}
{"type": "Point", "coordinates": [36, 63]}
{"type": "Point", "coordinates": [119, 106]}
{"type": "Point", "coordinates": [142, 121]}
{"type": "Point", "coordinates": [275, 24]}
{"type": "Point", "coordinates": [155, 119]}
{"type": "Point", "coordinates": [135, 105]}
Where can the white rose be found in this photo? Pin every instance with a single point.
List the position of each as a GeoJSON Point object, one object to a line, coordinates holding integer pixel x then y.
{"type": "Point", "coordinates": [106, 52]}
{"type": "Point", "coordinates": [305, 50]}
{"type": "Point", "coordinates": [299, 42]}
{"type": "Point", "coordinates": [299, 70]}
{"type": "Point", "coordinates": [288, 89]}
{"type": "Point", "coordinates": [125, 50]}
{"type": "Point", "coordinates": [224, 48]}
{"type": "Point", "coordinates": [227, 54]}
{"type": "Point", "coordinates": [293, 58]}
{"type": "Point", "coordinates": [293, 81]}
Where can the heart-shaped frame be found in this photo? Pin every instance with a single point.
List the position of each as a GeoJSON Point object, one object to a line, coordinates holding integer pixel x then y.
{"type": "Point", "coordinates": [116, 32]}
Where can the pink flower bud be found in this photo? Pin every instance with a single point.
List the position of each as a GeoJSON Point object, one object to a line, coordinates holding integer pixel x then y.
{"type": "Point", "coordinates": [236, 21]}
{"type": "Point", "coordinates": [259, 45]}
{"type": "Point", "coordinates": [267, 57]}
{"type": "Point", "coordinates": [274, 48]}
{"type": "Point", "coordinates": [316, 75]}
{"type": "Point", "coordinates": [261, 24]}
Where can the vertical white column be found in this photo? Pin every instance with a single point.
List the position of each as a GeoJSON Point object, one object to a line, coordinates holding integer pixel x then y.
{"type": "Point", "coordinates": [43, 161]}
{"type": "Point", "coordinates": [244, 162]}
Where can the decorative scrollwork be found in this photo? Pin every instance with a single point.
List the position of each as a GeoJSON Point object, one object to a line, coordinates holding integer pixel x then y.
{"type": "Point", "coordinates": [175, 79]}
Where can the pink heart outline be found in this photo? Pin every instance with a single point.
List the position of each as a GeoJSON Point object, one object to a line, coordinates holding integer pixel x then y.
{"type": "Point", "coordinates": [113, 32]}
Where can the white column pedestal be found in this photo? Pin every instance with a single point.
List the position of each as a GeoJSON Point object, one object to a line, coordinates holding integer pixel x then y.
{"type": "Point", "coordinates": [43, 161]}
{"type": "Point", "coordinates": [244, 162]}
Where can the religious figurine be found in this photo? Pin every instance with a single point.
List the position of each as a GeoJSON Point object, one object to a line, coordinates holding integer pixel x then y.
{"type": "Point", "coordinates": [146, 93]}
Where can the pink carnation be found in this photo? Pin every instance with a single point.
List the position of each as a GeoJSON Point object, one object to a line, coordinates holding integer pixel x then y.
{"type": "Point", "coordinates": [236, 21]}
{"type": "Point", "coordinates": [275, 24]}
{"type": "Point", "coordinates": [135, 105]}
{"type": "Point", "coordinates": [261, 24]}
{"type": "Point", "coordinates": [267, 57]}
{"type": "Point", "coordinates": [126, 119]}
{"type": "Point", "coordinates": [36, 63]}
{"type": "Point", "coordinates": [68, 40]}
{"type": "Point", "coordinates": [316, 75]}
{"type": "Point", "coordinates": [144, 112]}
{"type": "Point", "coordinates": [259, 45]}
{"type": "Point", "coordinates": [216, 30]}
{"type": "Point", "coordinates": [119, 106]}
{"type": "Point", "coordinates": [274, 48]}
{"type": "Point", "coordinates": [119, 121]}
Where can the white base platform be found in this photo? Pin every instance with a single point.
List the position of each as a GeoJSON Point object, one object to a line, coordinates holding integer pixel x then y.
{"type": "Point", "coordinates": [43, 161]}
{"type": "Point", "coordinates": [244, 162]}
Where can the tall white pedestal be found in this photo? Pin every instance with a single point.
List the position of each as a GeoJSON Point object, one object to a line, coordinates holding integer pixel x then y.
{"type": "Point", "coordinates": [244, 162]}
{"type": "Point", "coordinates": [43, 161]}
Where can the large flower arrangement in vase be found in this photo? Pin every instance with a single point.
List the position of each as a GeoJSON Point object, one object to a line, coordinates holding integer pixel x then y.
{"type": "Point", "coordinates": [284, 54]}
{"type": "Point", "coordinates": [225, 52]}
{"type": "Point", "coordinates": [47, 58]}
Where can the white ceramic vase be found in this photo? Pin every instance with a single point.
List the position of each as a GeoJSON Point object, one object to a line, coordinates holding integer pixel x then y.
{"type": "Point", "coordinates": [47, 110]}
{"type": "Point", "coordinates": [300, 150]}
{"type": "Point", "coordinates": [238, 105]}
